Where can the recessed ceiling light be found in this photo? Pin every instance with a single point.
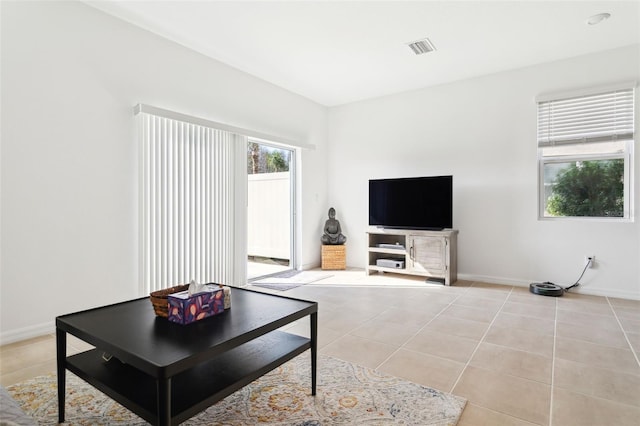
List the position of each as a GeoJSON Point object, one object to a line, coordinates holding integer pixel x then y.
{"type": "Point", "coordinates": [596, 19]}
{"type": "Point", "coordinates": [421, 46]}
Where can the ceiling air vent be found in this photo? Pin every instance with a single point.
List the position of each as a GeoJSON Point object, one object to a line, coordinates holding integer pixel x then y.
{"type": "Point", "coordinates": [421, 46]}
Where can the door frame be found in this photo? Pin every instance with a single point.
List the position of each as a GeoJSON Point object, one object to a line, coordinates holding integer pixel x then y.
{"type": "Point", "coordinates": [292, 200]}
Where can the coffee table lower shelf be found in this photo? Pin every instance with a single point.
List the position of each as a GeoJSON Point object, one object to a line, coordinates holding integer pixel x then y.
{"type": "Point", "coordinates": [194, 390]}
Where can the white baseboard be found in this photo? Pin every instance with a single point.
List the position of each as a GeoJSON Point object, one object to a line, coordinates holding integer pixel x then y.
{"type": "Point", "coordinates": [580, 289]}
{"type": "Point", "coordinates": [27, 333]}
{"type": "Point", "coordinates": [494, 280]}
{"type": "Point", "coordinates": [606, 292]}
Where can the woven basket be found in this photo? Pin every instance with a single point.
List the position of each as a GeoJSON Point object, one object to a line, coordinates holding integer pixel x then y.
{"type": "Point", "coordinates": [160, 299]}
{"type": "Point", "coordinates": [334, 257]}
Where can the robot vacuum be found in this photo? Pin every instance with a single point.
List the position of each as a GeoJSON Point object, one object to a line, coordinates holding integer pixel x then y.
{"type": "Point", "coordinates": [546, 289]}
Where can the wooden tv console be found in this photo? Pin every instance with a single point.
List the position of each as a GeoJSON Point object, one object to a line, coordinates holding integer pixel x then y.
{"type": "Point", "coordinates": [430, 254]}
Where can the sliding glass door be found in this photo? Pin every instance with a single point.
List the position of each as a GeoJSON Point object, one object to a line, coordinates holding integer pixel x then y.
{"type": "Point", "coordinates": [270, 209]}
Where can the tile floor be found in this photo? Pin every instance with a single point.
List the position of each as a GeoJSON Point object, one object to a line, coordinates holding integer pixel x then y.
{"type": "Point", "coordinates": [520, 359]}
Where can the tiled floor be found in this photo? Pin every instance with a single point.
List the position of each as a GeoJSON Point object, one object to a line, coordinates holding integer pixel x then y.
{"type": "Point", "coordinates": [520, 359]}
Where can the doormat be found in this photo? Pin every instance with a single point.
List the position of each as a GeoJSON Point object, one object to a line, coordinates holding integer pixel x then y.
{"type": "Point", "coordinates": [347, 394]}
{"type": "Point", "coordinates": [290, 279]}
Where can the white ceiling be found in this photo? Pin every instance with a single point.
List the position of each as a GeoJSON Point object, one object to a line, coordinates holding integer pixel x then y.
{"type": "Point", "coordinates": [336, 52]}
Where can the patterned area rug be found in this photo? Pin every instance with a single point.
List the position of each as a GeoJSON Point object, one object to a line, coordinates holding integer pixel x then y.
{"type": "Point", "coordinates": [347, 394]}
{"type": "Point", "coordinates": [291, 279]}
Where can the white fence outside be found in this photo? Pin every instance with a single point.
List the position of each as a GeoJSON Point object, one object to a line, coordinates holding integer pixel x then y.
{"type": "Point", "coordinates": [269, 215]}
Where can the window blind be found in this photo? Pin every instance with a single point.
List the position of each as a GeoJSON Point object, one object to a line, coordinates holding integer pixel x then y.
{"type": "Point", "coordinates": [186, 203]}
{"type": "Point", "coordinates": [599, 117]}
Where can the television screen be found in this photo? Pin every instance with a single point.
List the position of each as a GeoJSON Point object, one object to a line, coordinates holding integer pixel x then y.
{"type": "Point", "coordinates": [411, 203]}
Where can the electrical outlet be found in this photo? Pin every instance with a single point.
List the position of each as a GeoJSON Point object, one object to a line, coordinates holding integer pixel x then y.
{"type": "Point", "coordinates": [589, 257]}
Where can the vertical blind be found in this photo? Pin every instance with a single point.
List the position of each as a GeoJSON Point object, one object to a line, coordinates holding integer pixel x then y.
{"type": "Point", "coordinates": [596, 117]}
{"type": "Point", "coordinates": [186, 203]}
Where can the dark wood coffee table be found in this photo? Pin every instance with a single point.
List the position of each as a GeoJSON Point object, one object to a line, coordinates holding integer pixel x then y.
{"type": "Point", "coordinates": [166, 372]}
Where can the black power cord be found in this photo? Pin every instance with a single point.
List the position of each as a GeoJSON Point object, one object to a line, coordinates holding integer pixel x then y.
{"type": "Point", "coordinates": [548, 288]}
{"type": "Point", "coordinates": [577, 283]}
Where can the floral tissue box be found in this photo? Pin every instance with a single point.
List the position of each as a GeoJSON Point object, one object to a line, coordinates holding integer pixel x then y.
{"type": "Point", "coordinates": [185, 309]}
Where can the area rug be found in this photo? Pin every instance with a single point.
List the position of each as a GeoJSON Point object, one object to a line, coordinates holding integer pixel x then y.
{"type": "Point", "coordinates": [291, 279]}
{"type": "Point", "coordinates": [347, 394]}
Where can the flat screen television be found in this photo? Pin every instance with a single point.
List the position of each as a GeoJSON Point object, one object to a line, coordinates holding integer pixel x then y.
{"type": "Point", "coordinates": [411, 203]}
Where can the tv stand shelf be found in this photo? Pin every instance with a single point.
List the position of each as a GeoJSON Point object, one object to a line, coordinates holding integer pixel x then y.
{"type": "Point", "coordinates": [431, 254]}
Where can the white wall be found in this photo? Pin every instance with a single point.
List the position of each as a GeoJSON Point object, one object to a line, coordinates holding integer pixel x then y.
{"type": "Point", "coordinates": [70, 77]}
{"type": "Point", "coordinates": [483, 132]}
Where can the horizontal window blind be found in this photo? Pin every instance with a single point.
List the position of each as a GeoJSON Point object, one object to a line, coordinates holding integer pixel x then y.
{"type": "Point", "coordinates": [186, 203]}
{"type": "Point", "coordinates": [597, 117]}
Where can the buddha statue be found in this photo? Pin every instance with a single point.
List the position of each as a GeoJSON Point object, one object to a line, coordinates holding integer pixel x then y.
{"type": "Point", "coordinates": [332, 231]}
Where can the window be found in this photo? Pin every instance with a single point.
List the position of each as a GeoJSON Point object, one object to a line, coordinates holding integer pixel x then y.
{"type": "Point", "coordinates": [585, 154]}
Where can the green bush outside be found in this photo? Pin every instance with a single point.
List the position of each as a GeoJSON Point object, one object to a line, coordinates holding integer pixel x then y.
{"type": "Point", "coordinates": [589, 188]}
